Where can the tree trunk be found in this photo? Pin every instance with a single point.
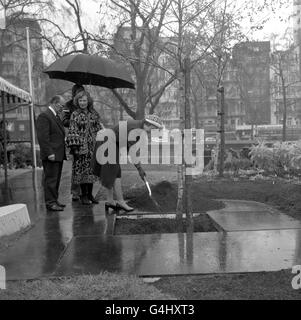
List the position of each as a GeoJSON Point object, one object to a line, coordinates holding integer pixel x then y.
{"type": "Point", "coordinates": [121, 113]}
{"type": "Point", "coordinates": [179, 209]}
{"type": "Point", "coordinates": [188, 178]}
{"type": "Point", "coordinates": [222, 131]}
{"type": "Point", "coordinates": [284, 110]}
{"type": "Point", "coordinates": [141, 99]}
{"type": "Point", "coordinates": [4, 137]}
{"type": "Point", "coordinates": [196, 115]}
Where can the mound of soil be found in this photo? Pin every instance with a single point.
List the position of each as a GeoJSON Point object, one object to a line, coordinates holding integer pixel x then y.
{"type": "Point", "coordinates": [166, 194]}
{"type": "Point", "coordinates": [202, 223]}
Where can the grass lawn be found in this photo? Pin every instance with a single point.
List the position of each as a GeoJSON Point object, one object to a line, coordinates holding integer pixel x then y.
{"type": "Point", "coordinates": [109, 286]}
{"type": "Point", "coordinates": [250, 286]}
{"type": "Point", "coordinates": [106, 286]}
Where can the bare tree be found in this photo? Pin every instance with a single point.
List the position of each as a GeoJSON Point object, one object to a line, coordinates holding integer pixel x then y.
{"type": "Point", "coordinates": [189, 21]}
{"type": "Point", "coordinates": [138, 41]}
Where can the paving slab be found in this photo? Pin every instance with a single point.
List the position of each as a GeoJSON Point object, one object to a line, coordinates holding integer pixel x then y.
{"type": "Point", "coordinates": [39, 250]}
{"type": "Point", "coordinates": [244, 205]}
{"type": "Point", "coordinates": [249, 215]}
{"type": "Point", "coordinates": [182, 254]}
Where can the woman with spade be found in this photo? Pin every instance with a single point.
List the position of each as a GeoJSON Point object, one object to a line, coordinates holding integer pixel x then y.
{"type": "Point", "coordinates": [110, 173]}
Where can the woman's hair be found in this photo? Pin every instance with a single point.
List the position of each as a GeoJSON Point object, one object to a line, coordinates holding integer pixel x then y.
{"type": "Point", "coordinates": [76, 89]}
{"type": "Point", "coordinates": [83, 94]}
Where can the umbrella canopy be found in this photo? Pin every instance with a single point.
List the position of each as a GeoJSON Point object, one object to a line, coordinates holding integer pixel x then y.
{"type": "Point", "coordinates": [90, 70]}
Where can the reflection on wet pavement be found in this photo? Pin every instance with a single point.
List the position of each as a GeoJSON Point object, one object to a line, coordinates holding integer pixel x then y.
{"type": "Point", "coordinates": [203, 253]}
{"type": "Point", "coordinates": [79, 240]}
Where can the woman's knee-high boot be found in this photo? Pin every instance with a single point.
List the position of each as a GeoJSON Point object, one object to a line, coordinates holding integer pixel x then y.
{"type": "Point", "coordinates": [84, 196]}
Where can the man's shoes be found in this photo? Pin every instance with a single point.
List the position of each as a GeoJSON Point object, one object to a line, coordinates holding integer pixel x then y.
{"type": "Point", "coordinates": [54, 207]}
{"type": "Point", "coordinates": [60, 204]}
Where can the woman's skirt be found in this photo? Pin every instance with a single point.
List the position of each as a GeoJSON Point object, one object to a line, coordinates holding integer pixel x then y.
{"type": "Point", "coordinates": [82, 171]}
{"type": "Point", "coordinates": [107, 173]}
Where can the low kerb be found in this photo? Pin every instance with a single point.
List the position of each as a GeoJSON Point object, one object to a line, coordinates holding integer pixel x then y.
{"type": "Point", "coordinates": [13, 218]}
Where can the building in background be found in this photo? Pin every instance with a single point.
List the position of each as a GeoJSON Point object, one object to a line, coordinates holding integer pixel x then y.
{"type": "Point", "coordinates": [246, 79]}
{"type": "Point", "coordinates": [168, 107]}
{"type": "Point", "coordinates": [285, 76]}
{"type": "Point", "coordinates": [14, 68]}
{"type": "Point", "coordinates": [296, 16]}
{"type": "Point", "coordinates": [252, 61]}
{"type": "Point", "coordinates": [252, 92]}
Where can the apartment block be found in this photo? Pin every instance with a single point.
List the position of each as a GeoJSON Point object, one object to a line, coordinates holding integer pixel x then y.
{"type": "Point", "coordinates": [14, 68]}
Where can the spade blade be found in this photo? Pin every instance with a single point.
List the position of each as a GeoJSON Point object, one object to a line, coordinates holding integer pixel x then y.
{"type": "Point", "coordinates": [148, 188]}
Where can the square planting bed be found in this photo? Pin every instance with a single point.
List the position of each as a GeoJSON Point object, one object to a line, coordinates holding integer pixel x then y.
{"type": "Point", "coordinates": [144, 223]}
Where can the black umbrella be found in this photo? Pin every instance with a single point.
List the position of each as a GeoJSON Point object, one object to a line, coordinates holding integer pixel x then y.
{"type": "Point", "coordinates": [90, 70]}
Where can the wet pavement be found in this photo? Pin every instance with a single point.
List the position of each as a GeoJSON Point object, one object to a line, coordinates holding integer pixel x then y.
{"type": "Point", "coordinates": [80, 240]}
{"type": "Point", "coordinates": [178, 254]}
{"type": "Point", "coordinates": [250, 216]}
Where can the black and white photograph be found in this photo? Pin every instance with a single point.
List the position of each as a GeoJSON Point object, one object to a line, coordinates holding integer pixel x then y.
{"type": "Point", "coordinates": [150, 150]}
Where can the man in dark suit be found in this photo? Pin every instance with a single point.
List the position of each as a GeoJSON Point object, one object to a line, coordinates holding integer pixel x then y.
{"type": "Point", "coordinates": [51, 137]}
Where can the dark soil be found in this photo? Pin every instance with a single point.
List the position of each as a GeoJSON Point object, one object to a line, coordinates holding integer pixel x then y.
{"type": "Point", "coordinates": [201, 223]}
{"type": "Point", "coordinates": [165, 194]}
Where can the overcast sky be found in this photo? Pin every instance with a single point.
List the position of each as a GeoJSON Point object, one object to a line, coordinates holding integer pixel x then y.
{"type": "Point", "coordinates": [278, 23]}
{"type": "Point", "coordinates": [279, 20]}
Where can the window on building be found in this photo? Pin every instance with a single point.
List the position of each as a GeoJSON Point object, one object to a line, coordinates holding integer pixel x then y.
{"type": "Point", "coordinates": [7, 38]}
{"type": "Point", "coordinates": [25, 111]}
{"type": "Point", "coordinates": [11, 127]}
{"type": "Point", "coordinates": [21, 127]}
{"type": "Point", "coordinates": [8, 50]}
{"type": "Point", "coordinates": [7, 68]}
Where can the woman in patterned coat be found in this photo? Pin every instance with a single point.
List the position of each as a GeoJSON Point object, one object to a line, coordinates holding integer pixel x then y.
{"type": "Point", "coordinates": [84, 124]}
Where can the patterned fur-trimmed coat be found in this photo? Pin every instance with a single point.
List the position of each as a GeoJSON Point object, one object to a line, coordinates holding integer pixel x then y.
{"type": "Point", "coordinates": [82, 134]}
